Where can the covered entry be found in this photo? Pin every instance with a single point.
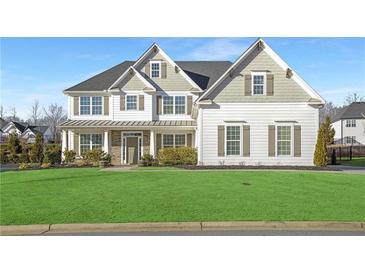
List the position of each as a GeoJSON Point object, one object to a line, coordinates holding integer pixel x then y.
{"type": "Point", "coordinates": [131, 147]}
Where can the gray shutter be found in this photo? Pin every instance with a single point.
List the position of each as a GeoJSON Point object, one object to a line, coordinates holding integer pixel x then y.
{"type": "Point", "coordinates": [271, 141]}
{"type": "Point", "coordinates": [76, 105]}
{"type": "Point", "coordinates": [163, 70]}
{"type": "Point", "coordinates": [270, 84]}
{"type": "Point", "coordinates": [297, 141]}
{"type": "Point", "coordinates": [189, 104]}
{"type": "Point", "coordinates": [158, 143]}
{"type": "Point", "coordinates": [122, 102]}
{"type": "Point", "coordinates": [76, 143]}
{"type": "Point", "coordinates": [159, 105]}
{"type": "Point", "coordinates": [221, 142]}
{"type": "Point", "coordinates": [248, 79]}
{"type": "Point", "coordinates": [189, 140]}
{"type": "Point", "coordinates": [147, 69]}
{"type": "Point", "coordinates": [246, 140]}
{"type": "Point", "coordinates": [106, 105]}
{"type": "Point", "coordinates": [141, 102]}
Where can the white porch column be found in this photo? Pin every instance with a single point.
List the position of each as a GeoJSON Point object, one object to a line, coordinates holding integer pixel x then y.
{"type": "Point", "coordinates": [64, 143]}
{"type": "Point", "coordinates": [152, 142]}
{"type": "Point", "coordinates": [106, 141]}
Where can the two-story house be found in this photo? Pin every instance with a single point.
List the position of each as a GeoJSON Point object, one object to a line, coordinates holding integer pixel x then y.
{"type": "Point", "coordinates": [253, 111]}
{"type": "Point", "coordinates": [349, 124]}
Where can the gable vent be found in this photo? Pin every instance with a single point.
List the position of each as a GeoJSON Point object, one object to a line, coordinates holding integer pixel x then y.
{"type": "Point", "coordinates": [177, 70]}
{"type": "Point", "coordinates": [289, 73]}
{"type": "Point", "coordinates": [260, 45]}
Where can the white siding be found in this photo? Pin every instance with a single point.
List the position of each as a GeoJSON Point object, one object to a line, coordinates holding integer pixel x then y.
{"type": "Point", "coordinates": [71, 115]}
{"type": "Point", "coordinates": [258, 116]}
{"type": "Point", "coordinates": [358, 131]}
{"type": "Point", "coordinates": [132, 115]}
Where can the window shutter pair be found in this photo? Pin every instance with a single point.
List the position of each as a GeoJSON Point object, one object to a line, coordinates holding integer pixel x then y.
{"type": "Point", "coordinates": [140, 102]}
{"type": "Point", "coordinates": [297, 140]}
{"type": "Point", "coordinates": [163, 69]}
{"type": "Point", "coordinates": [245, 141]}
{"type": "Point", "coordinates": [269, 84]}
{"type": "Point", "coordinates": [77, 105]}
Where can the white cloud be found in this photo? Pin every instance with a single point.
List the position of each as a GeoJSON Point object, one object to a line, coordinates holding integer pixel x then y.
{"type": "Point", "coordinates": [219, 49]}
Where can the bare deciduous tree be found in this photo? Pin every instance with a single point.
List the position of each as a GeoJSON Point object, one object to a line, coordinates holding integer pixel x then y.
{"type": "Point", "coordinates": [353, 97]}
{"type": "Point", "coordinates": [12, 111]}
{"type": "Point", "coordinates": [53, 117]}
{"type": "Point", "coordinates": [35, 114]}
{"type": "Point", "coordinates": [2, 111]}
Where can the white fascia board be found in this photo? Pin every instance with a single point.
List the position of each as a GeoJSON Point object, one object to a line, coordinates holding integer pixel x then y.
{"type": "Point", "coordinates": [243, 55]}
{"type": "Point", "coordinates": [135, 73]}
{"type": "Point", "coordinates": [172, 62]}
{"type": "Point", "coordinates": [277, 59]}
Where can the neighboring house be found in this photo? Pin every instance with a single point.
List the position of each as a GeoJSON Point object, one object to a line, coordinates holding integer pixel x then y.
{"type": "Point", "coordinates": [255, 111]}
{"type": "Point", "coordinates": [349, 124]}
{"type": "Point", "coordinates": [2, 124]}
{"type": "Point", "coordinates": [26, 132]}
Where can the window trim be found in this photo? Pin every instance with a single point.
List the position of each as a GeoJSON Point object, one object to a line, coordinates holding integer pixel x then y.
{"type": "Point", "coordinates": [160, 70]}
{"type": "Point", "coordinates": [126, 102]}
{"type": "Point", "coordinates": [174, 104]}
{"type": "Point", "coordinates": [350, 123]}
{"type": "Point", "coordinates": [225, 139]}
{"type": "Point", "coordinates": [258, 73]}
{"type": "Point", "coordinates": [91, 139]}
{"type": "Point", "coordinates": [291, 140]}
{"type": "Point", "coordinates": [91, 105]}
{"type": "Point", "coordinates": [173, 139]}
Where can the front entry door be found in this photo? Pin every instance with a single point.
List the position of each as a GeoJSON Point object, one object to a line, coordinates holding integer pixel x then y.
{"type": "Point", "coordinates": [132, 150]}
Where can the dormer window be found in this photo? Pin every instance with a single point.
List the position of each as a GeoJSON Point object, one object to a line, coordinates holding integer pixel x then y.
{"type": "Point", "coordinates": [258, 83]}
{"type": "Point", "coordinates": [155, 69]}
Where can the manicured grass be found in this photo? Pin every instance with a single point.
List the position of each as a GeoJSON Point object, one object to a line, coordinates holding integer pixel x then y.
{"type": "Point", "coordinates": [355, 162]}
{"type": "Point", "coordinates": [88, 195]}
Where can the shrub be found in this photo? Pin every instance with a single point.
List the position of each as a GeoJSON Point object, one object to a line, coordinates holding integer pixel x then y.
{"type": "Point", "coordinates": [148, 160]}
{"type": "Point", "coordinates": [3, 156]}
{"type": "Point", "coordinates": [24, 166]}
{"type": "Point", "coordinates": [37, 149]}
{"type": "Point", "coordinates": [24, 157]}
{"type": "Point", "coordinates": [177, 156]}
{"type": "Point", "coordinates": [45, 165]}
{"type": "Point", "coordinates": [95, 155]}
{"type": "Point", "coordinates": [13, 158]}
{"type": "Point", "coordinates": [13, 144]}
{"type": "Point", "coordinates": [53, 153]}
{"type": "Point", "coordinates": [70, 156]}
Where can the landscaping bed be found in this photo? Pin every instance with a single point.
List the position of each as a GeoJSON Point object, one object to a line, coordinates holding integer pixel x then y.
{"type": "Point", "coordinates": [193, 167]}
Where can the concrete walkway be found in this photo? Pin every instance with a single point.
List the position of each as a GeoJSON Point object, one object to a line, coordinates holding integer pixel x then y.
{"type": "Point", "coordinates": [49, 229]}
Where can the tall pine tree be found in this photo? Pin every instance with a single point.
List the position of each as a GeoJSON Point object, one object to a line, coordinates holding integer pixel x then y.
{"type": "Point", "coordinates": [325, 137]}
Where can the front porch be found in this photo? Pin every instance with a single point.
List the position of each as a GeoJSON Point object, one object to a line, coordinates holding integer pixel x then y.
{"type": "Point", "coordinates": [127, 145]}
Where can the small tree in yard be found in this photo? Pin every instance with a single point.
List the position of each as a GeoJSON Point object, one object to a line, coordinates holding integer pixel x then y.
{"type": "Point", "coordinates": [37, 149]}
{"type": "Point", "coordinates": [325, 137]}
{"type": "Point", "coordinates": [13, 144]}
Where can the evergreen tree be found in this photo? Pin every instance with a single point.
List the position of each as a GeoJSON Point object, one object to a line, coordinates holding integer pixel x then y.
{"type": "Point", "coordinates": [37, 149]}
{"type": "Point", "coordinates": [325, 137]}
{"type": "Point", "coordinates": [13, 144]}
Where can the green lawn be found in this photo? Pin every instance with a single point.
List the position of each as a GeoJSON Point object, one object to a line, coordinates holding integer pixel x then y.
{"type": "Point", "coordinates": [356, 161]}
{"type": "Point", "coordinates": [88, 195]}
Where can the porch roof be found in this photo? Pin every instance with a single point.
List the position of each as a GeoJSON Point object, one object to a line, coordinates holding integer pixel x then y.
{"type": "Point", "coordinates": [110, 123]}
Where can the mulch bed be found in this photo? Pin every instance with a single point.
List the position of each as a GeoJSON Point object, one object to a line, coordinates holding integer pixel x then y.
{"type": "Point", "coordinates": [191, 167]}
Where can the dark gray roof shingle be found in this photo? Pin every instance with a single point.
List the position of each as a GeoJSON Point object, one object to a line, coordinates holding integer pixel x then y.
{"type": "Point", "coordinates": [203, 73]}
{"type": "Point", "coordinates": [354, 111]}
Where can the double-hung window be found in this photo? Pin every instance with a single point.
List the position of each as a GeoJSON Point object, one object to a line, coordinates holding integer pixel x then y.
{"type": "Point", "coordinates": [233, 143]}
{"type": "Point", "coordinates": [91, 105]}
{"type": "Point", "coordinates": [155, 69]}
{"type": "Point", "coordinates": [284, 140]}
{"type": "Point", "coordinates": [350, 140]}
{"type": "Point", "coordinates": [131, 102]}
{"type": "Point", "coordinates": [351, 123]}
{"type": "Point", "coordinates": [173, 140]}
{"type": "Point", "coordinates": [90, 141]}
{"type": "Point", "coordinates": [258, 83]}
{"type": "Point", "coordinates": [174, 104]}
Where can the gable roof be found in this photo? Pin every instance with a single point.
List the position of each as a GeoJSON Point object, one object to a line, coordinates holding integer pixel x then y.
{"type": "Point", "coordinates": [276, 58]}
{"type": "Point", "coordinates": [136, 73]}
{"type": "Point", "coordinates": [203, 73]}
{"type": "Point", "coordinates": [354, 111]}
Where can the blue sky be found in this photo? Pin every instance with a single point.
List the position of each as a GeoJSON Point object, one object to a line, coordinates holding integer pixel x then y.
{"type": "Point", "coordinates": [41, 68]}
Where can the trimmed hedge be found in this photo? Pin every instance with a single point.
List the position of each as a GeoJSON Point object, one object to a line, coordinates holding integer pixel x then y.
{"type": "Point", "coordinates": [177, 156]}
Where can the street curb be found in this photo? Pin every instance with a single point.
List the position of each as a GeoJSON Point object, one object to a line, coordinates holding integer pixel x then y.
{"type": "Point", "coordinates": [49, 229]}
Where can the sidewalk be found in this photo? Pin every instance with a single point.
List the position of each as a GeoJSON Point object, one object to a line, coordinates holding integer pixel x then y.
{"type": "Point", "coordinates": [49, 229]}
